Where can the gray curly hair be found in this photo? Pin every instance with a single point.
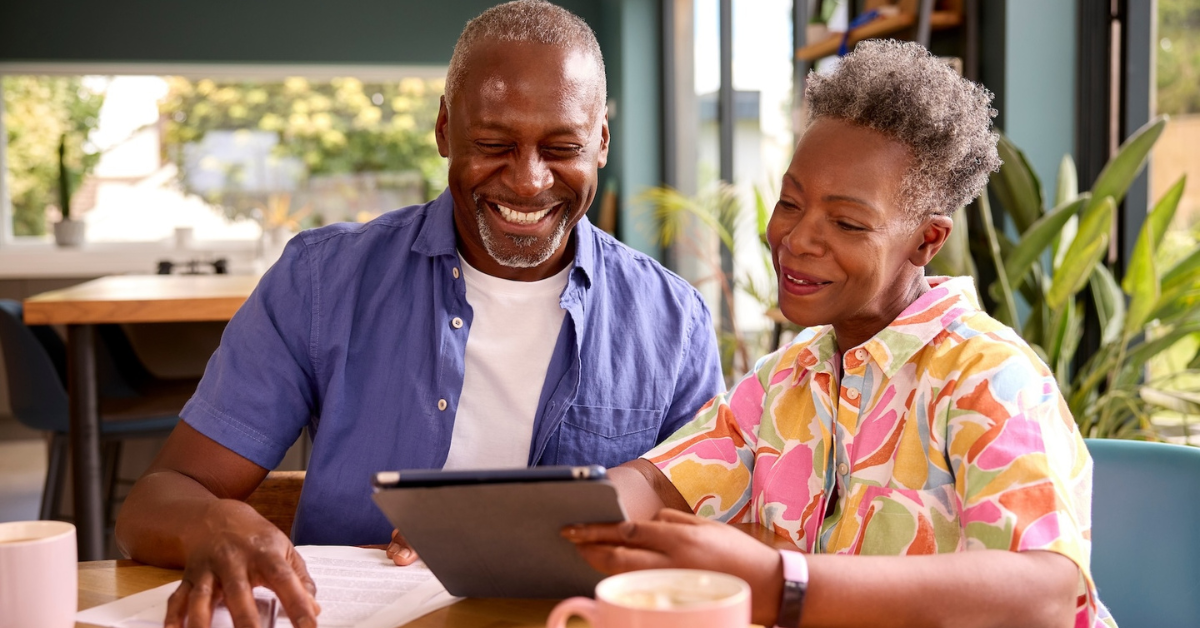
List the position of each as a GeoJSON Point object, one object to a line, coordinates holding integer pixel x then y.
{"type": "Point", "coordinates": [534, 21]}
{"type": "Point", "coordinates": [901, 90]}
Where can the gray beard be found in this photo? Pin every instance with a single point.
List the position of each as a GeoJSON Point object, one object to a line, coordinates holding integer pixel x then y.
{"type": "Point", "coordinates": [530, 250]}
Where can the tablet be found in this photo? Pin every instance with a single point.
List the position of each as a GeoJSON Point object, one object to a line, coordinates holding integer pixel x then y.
{"type": "Point", "coordinates": [496, 533]}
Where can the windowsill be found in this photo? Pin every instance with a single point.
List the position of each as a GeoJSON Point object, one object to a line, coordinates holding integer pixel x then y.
{"type": "Point", "coordinates": [32, 258]}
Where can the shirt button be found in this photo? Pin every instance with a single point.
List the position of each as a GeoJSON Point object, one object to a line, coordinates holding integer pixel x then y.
{"type": "Point", "coordinates": [455, 271]}
{"type": "Point", "coordinates": [456, 322]}
{"type": "Point", "coordinates": [843, 469]}
{"type": "Point", "coordinates": [441, 404]}
{"type": "Point", "coordinates": [852, 393]}
{"type": "Point", "coordinates": [861, 355]}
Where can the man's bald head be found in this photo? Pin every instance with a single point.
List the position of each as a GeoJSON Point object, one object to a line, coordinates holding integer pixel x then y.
{"type": "Point", "coordinates": [527, 21]}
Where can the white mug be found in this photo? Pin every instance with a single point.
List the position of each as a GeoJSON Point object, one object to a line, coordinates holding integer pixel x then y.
{"type": "Point", "coordinates": [39, 574]}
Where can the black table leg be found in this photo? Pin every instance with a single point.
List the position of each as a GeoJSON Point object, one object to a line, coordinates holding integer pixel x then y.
{"type": "Point", "coordinates": [85, 441]}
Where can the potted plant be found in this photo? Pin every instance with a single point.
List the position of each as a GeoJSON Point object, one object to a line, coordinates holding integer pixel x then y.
{"type": "Point", "coordinates": [1056, 269]}
{"type": "Point", "coordinates": [67, 231]}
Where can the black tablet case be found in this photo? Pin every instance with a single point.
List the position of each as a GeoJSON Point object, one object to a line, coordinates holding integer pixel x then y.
{"type": "Point", "coordinates": [503, 540]}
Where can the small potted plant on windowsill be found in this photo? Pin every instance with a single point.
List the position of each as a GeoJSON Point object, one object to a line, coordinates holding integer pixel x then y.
{"type": "Point", "coordinates": [67, 231]}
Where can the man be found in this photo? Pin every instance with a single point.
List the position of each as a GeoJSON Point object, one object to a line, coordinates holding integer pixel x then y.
{"type": "Point", "coordinates": [491, 327]}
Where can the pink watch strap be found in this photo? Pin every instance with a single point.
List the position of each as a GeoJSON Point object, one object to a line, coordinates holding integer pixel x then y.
{"type": "Point", "coordinates": [795, 566]}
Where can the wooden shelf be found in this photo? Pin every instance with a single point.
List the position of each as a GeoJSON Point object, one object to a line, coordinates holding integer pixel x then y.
{"type": "Point", "coordinates": [881, 27]}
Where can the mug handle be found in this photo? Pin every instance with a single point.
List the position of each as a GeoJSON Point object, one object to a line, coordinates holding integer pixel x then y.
{"type": "Point", "coordinates": [579, 606]}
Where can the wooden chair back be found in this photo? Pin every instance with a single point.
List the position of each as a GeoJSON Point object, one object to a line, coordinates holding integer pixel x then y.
{"type": "Point", "coordinates": [276, 498]}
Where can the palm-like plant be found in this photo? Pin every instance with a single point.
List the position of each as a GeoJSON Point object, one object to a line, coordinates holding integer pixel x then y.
{"type": "Point", "coordinates": [720, 212]}
{"type": "Point", "coordinates": [1057, 261]}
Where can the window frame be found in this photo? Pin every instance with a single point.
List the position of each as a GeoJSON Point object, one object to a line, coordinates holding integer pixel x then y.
{"type": "Point", "coordinates": [216, 71]}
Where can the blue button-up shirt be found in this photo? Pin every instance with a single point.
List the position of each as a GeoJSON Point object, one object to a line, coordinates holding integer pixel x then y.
{"type": "Point", "coordinates": [359, 333]}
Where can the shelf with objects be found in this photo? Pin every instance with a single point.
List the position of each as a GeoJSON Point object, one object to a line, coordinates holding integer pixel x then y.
{"type": "Point", "coordinates": [901, 19]}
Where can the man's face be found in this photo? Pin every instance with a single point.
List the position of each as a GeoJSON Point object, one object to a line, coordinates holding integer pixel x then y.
{"type": "Point", "coordinates": [524, 136]}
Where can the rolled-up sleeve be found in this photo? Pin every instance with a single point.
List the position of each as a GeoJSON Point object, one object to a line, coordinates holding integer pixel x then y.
{"type": "Point", "coordinates": [258, 389]}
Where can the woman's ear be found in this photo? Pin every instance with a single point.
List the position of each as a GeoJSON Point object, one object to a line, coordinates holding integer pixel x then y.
{"type": "Point", "coordinates": [930, 237]}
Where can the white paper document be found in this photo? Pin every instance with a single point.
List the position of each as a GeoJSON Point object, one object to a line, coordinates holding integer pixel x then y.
{"type": "Point", "coordinates": [356, 588]}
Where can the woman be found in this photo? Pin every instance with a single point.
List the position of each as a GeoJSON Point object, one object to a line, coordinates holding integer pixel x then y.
{"type": "Point", "coordinates": [907, 422]}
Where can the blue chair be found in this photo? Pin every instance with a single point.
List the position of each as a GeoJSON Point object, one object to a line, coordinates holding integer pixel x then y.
{"type": "Point", "coordinates": [35, 364]}
{"type": "Point", "coordinates": [1146, 532]}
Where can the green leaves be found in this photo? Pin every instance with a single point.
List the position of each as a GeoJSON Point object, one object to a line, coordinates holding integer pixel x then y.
{"type": "Point", "coordinates": [1085, 251]}
{"type": "Point", "coordinates": [1040, 235]}
{"type": "Point", "coordinates": [1016, 186]}
{"type": "Point", "coordinates": [1059, 254]}
{"type": "Point", "coordinates": [1118, 173]}
{"type": "Point", "coordinates": [1141, 279]}
{"type": "Point", "coordinates": [1008, 306]}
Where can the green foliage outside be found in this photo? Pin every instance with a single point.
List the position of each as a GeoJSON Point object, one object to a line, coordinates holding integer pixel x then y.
{"type": "Point", "coordinates": [1178, 66]}
{"type": "Point", "coordinates": [38, 112]}
{"type": "Point", "coordinates": [336, 127]}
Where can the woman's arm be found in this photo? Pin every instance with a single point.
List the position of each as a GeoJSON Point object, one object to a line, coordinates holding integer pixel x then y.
{"type": "Point", "coordinates": [974, 589]}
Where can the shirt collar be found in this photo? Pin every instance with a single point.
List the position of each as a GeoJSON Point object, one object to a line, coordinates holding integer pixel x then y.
{"type": "Point", "coordinates": [948, 299]}
{"type": "Point", "coordinates": [438, 237]}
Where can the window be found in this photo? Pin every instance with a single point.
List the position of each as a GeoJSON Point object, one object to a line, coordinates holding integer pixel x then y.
{"type": "Point", "coordinates": [228, 157]}
{"type": "Point", "coordinates": [1177, 93]}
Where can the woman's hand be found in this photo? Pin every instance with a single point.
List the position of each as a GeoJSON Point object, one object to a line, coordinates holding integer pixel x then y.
{"type": "Point", "coordinates": [238, 551]}
{"type": "Point", "coordinates": [674, 539]}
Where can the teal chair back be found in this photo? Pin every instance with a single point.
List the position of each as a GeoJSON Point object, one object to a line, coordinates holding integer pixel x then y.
{"type": "Point", "coordinates": [1146, 532]}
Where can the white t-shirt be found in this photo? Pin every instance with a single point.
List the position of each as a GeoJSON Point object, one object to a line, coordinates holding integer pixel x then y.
{"type": "Point", "coordinates": [513, 333]}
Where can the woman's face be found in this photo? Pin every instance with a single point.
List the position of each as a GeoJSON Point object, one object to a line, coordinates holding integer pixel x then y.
{"type": "Point", "coordinates": [844, 248]}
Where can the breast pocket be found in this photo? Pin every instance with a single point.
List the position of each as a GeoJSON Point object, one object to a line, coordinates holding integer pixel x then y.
{"type": "Point", "coordinates": [898, 521]}
{"type": "Point", "coordinates": [606, 436]}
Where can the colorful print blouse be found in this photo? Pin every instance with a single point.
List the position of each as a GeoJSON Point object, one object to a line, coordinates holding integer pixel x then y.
{"type": "Point", "coordinates": [942, 433]}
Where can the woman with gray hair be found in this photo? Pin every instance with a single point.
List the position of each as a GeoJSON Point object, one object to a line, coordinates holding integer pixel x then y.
{"type": "Point", "coordinates": [916, 451]}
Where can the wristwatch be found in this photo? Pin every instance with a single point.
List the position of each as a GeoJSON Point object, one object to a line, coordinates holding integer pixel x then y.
{"type": "Point", "coordinates": [795, 584]}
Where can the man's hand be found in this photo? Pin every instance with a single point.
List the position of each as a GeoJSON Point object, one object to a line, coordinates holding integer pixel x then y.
{"type": "Point", "coordinates": [674, 539]}
{"type": "Point", "coordinates": [239, 550]}
{"type": "Point", "coordinates": [400, 551]}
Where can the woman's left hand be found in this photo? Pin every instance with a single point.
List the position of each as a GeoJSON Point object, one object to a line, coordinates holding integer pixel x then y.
{"type": "Point", "coordinates": [674, 539]}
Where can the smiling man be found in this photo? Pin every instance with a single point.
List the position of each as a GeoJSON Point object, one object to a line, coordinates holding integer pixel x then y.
{"type": "Point", "coordinates": [492, 327]}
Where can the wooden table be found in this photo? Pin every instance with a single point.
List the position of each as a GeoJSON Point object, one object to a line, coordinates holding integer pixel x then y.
{"type": "Point", "coordinates": [103, 581]}
{"type": "Point", "coordinates": [118, 299]}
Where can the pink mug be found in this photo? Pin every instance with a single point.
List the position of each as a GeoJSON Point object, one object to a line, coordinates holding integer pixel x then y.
{"type": "Point", "coordinates": [39, 575]}
{"type": "Point", "coordinates": [661, 598]}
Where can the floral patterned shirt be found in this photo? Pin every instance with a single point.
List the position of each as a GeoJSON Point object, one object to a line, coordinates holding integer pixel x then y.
{"type": "Point", "coordinates": [942, 433]}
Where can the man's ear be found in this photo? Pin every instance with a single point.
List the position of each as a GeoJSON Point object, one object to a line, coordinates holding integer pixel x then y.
{"type": "Point", "coordinates": [930, 237]}
{"type": "Point", "coordinates": [602, 158]}
{"type": "Point", "coordinates": [439, 129]}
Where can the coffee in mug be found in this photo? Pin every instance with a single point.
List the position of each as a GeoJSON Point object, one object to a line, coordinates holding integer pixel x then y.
{"type": "Point", "coordinates": [38, 574]}
{"type": "Point", "coordinates": [662, 598]}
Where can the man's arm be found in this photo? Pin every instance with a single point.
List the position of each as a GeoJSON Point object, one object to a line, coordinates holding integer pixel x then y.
{"type": "Point", "coordinates": [187, 511]}
{"type": "Point", "coordinates": [644, 490]}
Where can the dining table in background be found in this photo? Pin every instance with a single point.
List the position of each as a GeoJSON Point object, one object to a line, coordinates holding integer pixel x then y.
{"type": "Point", "coordinates": [118, 299]}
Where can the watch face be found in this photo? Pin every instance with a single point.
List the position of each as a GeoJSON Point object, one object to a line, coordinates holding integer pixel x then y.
{"type": "Point", "coordinates": [790, 604]}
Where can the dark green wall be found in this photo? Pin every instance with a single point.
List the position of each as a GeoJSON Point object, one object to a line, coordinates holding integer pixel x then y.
{"type": "Point", "coordinates": [246, 31]}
